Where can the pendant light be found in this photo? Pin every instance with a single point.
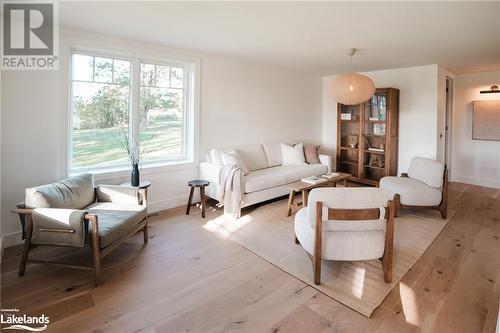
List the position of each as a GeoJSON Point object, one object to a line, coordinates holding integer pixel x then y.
{"type": "Point", "coordinates": [352, 88]}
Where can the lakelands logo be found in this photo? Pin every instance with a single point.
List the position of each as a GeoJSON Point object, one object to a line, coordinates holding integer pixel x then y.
{"type": "Point", "coordinates": [12, 320]}
{"type": "Point", "coordinates": [30, 35]}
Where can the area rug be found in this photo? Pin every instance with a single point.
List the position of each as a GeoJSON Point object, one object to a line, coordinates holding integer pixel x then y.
{"type": "Point", "coordinates": [359, 285]}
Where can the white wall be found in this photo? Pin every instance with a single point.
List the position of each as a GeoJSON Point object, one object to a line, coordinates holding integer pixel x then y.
{"type": "Point", "coordinates": [417, 111]}
{"type": "Point", "coordinates": [240, 103]}
{"type": "Point", "coordinates": [474, 161]}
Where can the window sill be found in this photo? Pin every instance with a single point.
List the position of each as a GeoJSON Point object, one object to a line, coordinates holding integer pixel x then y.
{"type": "Point", "coordinates": [146, 169]}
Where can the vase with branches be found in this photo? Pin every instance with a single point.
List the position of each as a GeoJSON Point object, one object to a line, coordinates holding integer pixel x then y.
{"type": "Point", "coordinates": [132, 148]}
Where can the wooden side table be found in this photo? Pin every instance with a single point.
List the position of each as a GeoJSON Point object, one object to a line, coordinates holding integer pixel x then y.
{"type": "Point", "coordinates": [201, 184]}
{"type": "Point", "coordinates": [144, 184]}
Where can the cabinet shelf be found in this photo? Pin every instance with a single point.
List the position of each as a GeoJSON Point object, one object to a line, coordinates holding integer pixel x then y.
{"type": "Point", "coordinates": [349, 162]}
{"type": "Point", "coordinates": [349, 148]}
{"type": "Point", "coordinates": [374, 167]}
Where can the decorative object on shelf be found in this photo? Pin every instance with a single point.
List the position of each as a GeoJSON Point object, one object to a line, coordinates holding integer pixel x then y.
{"type": "Point", "coordinates": [494, 89]}
{"type": "Point", "coordinates": [346, 116]}
{"type": "Point", "coordinates": [376, 161]}
{"type": "Point", "coordinates": [352, 88]}
{"type": "Point", "coordinates": [352, 141]}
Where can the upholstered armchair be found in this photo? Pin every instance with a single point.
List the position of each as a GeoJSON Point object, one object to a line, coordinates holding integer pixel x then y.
{"type": "Point", "coordinates": [74, 213]}
{"type": "Point", "coordinates": [347, 224]}
{"type": "Point", "coordinates": [425, 186]}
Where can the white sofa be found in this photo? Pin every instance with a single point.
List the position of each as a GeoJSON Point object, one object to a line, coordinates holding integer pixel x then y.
{"type": "Point", "coordinates": [268, 178]}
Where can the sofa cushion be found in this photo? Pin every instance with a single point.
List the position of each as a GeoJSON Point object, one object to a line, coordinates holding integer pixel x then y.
{"type": "Point", "coordinates": [427, 171]}
{"type": "Point", "coordinates": [281, 175]}
{"type": "Point", "coordinates": [293, 155]}
{"type": "Point", "coordinates": [253, 156]}
{"type": "Point", "coordinates": [234, 157]}
{"type": "Point", "coordinates": [273, 153]}
{"type": "Point", "coordinates": [412, 191]}
{"type": "Point", "coordinates": [115, 221]}
{"type": "Point", "coordinates": [73, 193]}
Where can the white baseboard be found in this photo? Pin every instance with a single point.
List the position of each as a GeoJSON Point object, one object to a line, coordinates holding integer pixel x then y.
{"type": "Point", "coordinates": [11, 239]}
{"type": "Point", "coordinates": [14, 238]}
{"type": "Point", "coordinates": [159, 205]}
{"type": "Point", "coordinates": [476, 181]}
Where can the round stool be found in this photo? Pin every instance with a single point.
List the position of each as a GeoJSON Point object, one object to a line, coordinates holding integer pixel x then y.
{"type": "Point", "coordinates": [201, 185]}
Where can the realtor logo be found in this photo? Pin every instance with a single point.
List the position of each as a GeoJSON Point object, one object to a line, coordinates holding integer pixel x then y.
{"type": "Point", "coordinates": [30, 35]}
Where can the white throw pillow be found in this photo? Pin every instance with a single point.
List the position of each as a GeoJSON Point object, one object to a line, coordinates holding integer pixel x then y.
{"type": "Point", "coordinates": [293, 155]}
{"type": "Point", "coordinates": [233, 157]}
{"type": "Point", "coordinates": [216, 156]}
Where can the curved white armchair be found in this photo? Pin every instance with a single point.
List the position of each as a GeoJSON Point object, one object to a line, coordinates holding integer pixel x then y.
{"type": "Point", "coordinates": [425, 186]}
{"type": "Point", "coordinates": [347, 224]}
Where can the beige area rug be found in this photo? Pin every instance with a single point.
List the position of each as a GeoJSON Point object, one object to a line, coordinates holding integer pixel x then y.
{"type": "Point", "coordinates": [359, 285]}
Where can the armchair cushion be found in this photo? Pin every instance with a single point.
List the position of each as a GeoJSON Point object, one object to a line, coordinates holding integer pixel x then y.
{"type": "Point", "coordinates": [115, 220]}
{"type": "Point", "coordinates": [46, 219]}
{"type": "Point", "coordinates": [428, 171]}
{"type": "Point", "coordinates": [72, 193]}
{"type": "Point", "coordinates": [117, 194]}
{"type": "Point", "coordinates": [340, 244]}
{"type": "Point", "coordinates": [412, 192]}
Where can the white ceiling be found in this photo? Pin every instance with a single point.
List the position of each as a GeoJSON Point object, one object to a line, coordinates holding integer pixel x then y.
{"type": "Point", "coordinates": [314, 36]}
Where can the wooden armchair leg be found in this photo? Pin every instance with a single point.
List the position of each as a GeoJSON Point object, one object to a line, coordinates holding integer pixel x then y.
{"type": "Point", "coordinates": [397, 204]}
{"type": "Point", "coordinates": [96, 254]}
{"type": "Point", "coordinates": [27, 245]}
{"type": "Point", "coordinates": [24, 258]}
{"type": "Point", "coordinates": [318, 235]}
{"type": "Point", "coordinates": [389, 243]}
{"type": "Point", "coordinates": [145, 231]}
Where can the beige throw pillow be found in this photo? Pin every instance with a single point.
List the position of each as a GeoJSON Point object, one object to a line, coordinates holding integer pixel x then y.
{"type": "Point", "coordinates": [233, 157]}
{"type": "Point", "coordinates": [311, 153]}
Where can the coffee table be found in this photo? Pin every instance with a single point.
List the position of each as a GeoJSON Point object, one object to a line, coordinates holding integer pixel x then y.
{"type": "Point", "coordinates": [303, 187]}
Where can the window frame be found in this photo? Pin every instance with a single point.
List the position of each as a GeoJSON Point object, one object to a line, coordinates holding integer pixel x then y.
{"type": "Point", "coordinates": [190, 110]}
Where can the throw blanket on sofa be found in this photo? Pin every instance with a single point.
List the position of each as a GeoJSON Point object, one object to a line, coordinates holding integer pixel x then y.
{"type": "Point", "coordinates": [231, 190]}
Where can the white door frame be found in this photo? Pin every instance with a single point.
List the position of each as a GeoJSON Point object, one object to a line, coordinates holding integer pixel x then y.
{"type": "Point", "coordinates": [449, 106]}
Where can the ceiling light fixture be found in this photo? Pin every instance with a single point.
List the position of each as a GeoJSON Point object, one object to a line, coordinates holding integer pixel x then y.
{"type": "Point", "coordinates": [493, 90]}
{"type": "Point", "coordinates": [352, 88]}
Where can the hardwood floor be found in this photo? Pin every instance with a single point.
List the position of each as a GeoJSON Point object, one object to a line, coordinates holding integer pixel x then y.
{"type": "Point", "coordinates": [188, 279]}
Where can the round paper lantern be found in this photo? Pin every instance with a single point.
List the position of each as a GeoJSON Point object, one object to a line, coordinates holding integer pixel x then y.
{"type": "Point", "coordinates": [353, 88]}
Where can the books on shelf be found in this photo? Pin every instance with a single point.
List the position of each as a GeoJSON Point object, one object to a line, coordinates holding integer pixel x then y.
{"type": "Point", "coordinates": [330, 175]}
{"type": "Point", "coordinates": [345, 116]}
{"type": "Point", "coordinates": [376, 149]}
{"type": "Point", "coordinates": [313, 180]}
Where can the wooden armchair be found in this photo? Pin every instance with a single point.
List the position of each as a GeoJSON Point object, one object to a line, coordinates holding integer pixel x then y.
{"type": "Point", "coordinates": [102, 230]}
{"type": "Point", "coordinates": [425, 186]}
{"type": "Point", "coordinates": [357, 224]}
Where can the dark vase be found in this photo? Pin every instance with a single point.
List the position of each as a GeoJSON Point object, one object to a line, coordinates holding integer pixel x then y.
{"type": "Point", "coordinates": [134, 177]}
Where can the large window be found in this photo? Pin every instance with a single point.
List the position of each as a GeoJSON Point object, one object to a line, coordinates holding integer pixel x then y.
{"type": "Point", "coordinates": [116, 102]}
